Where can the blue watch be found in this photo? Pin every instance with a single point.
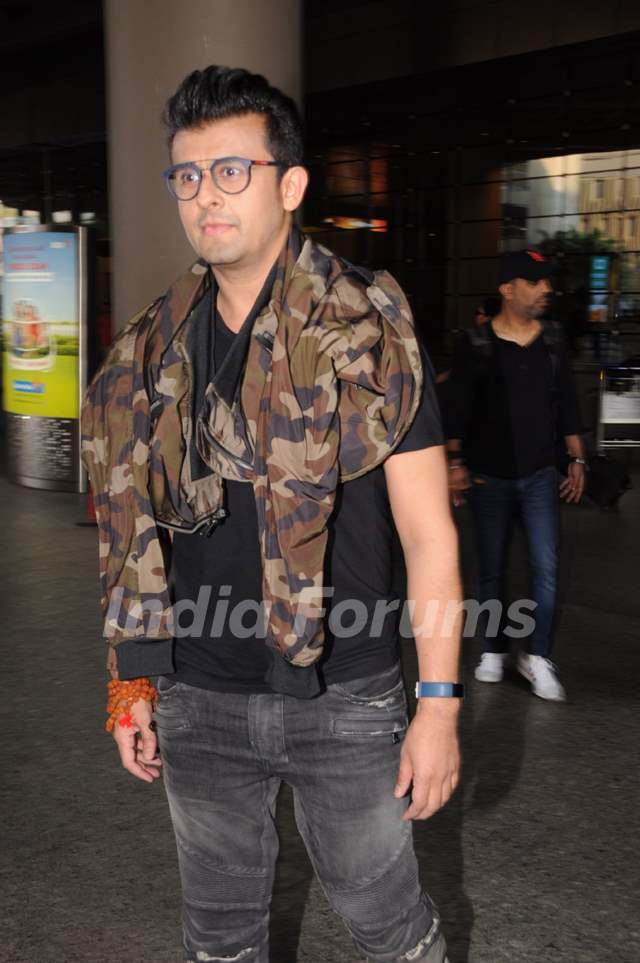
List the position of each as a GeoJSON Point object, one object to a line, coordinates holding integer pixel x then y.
{"type": "Point", "coordinates": [439, 690]}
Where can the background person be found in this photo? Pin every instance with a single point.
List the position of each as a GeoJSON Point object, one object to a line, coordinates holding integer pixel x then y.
{"type": "Point", "coordinates": [510, 400]}
{"type": "Point", "coordinates": [486, 310]}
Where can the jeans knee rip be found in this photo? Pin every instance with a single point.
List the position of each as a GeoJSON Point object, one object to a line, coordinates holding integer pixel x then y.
{"type": "Point", "coordinates": [425, 943]}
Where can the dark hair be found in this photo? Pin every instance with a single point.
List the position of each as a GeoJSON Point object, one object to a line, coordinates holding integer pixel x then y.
{"type": "Point", "coordinates": [219, 92]}
{"type": "Point", "coordinates": [491, 306]}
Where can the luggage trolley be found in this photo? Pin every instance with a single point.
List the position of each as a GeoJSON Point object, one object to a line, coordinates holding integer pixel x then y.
{"type": "Point", "coordinates": [619, 408]}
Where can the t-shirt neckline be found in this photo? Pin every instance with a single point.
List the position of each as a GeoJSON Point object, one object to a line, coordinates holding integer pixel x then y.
{"type": "Point", "coordinates": [515, 344]}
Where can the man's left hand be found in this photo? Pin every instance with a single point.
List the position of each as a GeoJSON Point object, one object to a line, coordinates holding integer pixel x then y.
{"type": "Point", "coordinates": [572, 487]}
{"type": "Point", "coordinates": [429, 762]}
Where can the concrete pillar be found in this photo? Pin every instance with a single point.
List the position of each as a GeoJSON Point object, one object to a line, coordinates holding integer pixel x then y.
{"type": "Point", "coordinates": [151, 46]}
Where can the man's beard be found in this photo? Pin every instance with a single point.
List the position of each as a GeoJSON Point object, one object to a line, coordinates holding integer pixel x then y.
{"type": "Point", "coordinates": [537, 311]}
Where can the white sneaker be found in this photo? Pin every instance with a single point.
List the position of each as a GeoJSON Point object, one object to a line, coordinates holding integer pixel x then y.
{"type": "Point", "coordinates": [542, 675]}
{"type": "Point", "coordinates": [490, 668]}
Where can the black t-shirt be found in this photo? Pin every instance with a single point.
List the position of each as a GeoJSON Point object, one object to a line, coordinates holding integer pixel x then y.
{"type": "Point", "coordinates": [511, 407]}
{"type": "Point", "coordinates": [528, 378]}
{"type": "Point", "coordinates": [223, 651]}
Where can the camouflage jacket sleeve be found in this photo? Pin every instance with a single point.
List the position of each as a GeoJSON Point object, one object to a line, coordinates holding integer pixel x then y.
{"type": "Point", "coordinates": [134, 594]}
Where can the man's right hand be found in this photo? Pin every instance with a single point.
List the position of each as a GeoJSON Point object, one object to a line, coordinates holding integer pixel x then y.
{"type": "Point", "coordinates": [459, 482]}
{"type": "Point", "coordinates": [138, 744]}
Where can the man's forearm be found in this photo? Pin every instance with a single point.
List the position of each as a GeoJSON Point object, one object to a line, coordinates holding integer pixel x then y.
{"type": "Point", "coordinates": [434, 591]}
{"type": "Point", "coordinates": [575, 446]}
{"type": "Point", "coordinates": [419, 499]}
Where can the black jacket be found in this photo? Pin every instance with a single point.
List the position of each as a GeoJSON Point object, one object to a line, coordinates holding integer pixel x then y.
{"type": "Point", "coordinates": [510, 422]}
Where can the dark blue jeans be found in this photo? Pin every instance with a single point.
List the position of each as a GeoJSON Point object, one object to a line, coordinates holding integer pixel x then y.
{"type": "Point", "coordinates": [495, 504]}
{"type": "Point", "coordinates": [224, 757]}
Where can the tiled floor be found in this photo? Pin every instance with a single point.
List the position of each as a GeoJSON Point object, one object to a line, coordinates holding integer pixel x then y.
{"type": "Point", "coordinates": [535, 860]}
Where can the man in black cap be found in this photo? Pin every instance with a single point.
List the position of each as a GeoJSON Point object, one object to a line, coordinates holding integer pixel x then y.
{"type": "Point", "coordinates": [511, 402]}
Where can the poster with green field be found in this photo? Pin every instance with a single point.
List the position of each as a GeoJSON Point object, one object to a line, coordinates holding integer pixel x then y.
{"type": "Point", "coordinates": [40, 324]}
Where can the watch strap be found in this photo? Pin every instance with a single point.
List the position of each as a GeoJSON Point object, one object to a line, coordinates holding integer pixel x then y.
{"type": "Point", "coordinates": [439, 690]}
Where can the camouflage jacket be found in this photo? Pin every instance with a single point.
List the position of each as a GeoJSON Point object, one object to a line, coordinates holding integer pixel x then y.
{"type": "Point", "coordinates": [326, 387]}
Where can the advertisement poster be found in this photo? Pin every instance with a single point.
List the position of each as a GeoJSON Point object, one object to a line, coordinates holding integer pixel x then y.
{"type": "Point", "coordinates": [41, 324]}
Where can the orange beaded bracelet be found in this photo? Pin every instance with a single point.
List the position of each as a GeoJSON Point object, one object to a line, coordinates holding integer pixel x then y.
{"type": "Point", "coordinates": [122, 696]}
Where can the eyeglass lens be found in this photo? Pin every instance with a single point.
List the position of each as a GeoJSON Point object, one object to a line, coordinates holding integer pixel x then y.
{"type": "Point", "coordinates": [230, 174]}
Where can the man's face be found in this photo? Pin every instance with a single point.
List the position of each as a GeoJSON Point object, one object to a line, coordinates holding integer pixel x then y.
{"type": "Point", "coordinates": [528, 299]}
{"type": "Point", "coordinates": [234, 229]}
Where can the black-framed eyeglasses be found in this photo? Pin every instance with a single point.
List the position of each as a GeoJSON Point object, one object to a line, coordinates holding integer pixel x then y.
{"type": "Point", "coordinates": [232, 175]}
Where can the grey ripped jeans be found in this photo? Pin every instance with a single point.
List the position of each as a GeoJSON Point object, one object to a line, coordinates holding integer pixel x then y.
{"type": "Point", "coordinates": [224, 757]}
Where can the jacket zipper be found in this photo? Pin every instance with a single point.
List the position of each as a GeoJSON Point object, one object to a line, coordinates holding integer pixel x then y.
{"type": "Point", "coordinates": [204, 527]}
{"type": "Point", "coordinates": [216, 444]}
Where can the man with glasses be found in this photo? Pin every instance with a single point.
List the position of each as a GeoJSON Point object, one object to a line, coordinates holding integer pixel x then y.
{"type": "Point", "coordinates": [274, 400]}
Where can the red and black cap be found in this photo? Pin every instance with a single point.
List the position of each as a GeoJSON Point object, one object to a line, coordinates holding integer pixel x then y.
{"type": "Point", "coordinates": [527, 264]}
